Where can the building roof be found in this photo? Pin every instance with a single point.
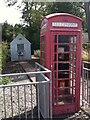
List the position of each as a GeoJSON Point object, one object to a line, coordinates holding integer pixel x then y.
{"type": "Point", "coordinates": [57, 14]}
{"type": "Point", "coordinates": [20, 39]}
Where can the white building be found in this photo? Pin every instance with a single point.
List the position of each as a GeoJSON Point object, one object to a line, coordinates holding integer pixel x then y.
{"type": "Point", "coordinates": [20, 49]}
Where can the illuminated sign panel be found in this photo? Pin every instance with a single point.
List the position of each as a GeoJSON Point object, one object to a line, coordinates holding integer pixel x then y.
{"type": "Point", "coordinates": [64, 24]}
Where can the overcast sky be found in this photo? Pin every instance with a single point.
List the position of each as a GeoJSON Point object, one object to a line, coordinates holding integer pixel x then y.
{"type": "Point", "coordinates": [11, 14]}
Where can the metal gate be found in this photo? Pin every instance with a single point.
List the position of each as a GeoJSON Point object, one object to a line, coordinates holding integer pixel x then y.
{"type": "Point", "coordinates": [20, 100]}
{"type": "Point", "coordinates": [86, 83]}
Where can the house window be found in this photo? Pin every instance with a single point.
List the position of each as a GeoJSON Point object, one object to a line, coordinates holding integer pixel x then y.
{"type": "Point", "coordinates": [20, 47]}
{"type": "Point", "coordinates": [20, 38]}
{"type": "Point", "coordinates": [42, 50]}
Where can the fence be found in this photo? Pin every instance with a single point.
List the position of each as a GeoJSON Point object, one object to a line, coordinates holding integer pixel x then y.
{"type": "Point", "coordinates": [27, 100]}
{"type": "Point", "coordinates": [86, 83]}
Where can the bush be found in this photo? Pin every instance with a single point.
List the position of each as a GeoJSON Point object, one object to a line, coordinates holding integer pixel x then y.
{"type": "Point", "coordinates": [86, 52]}
{"type": "Point", "coordinates": [86, 46]}
{"type": "Point", "coordinates": [37, 53]}
{"type": "Point", "coordinates": [3, 54]}
{"type": "Point", "coordinates": [0, 58]}
{"type": "Point", "coordinates": [5, 80]}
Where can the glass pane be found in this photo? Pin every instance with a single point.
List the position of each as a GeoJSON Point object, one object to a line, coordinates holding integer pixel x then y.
{"type": "Point", "coordinates": [74, 39]}
{"type": "Point", "coordinates": [63, 75]}
{"type": "Point", "coordinates": [42, 43]}
{"type": "Point", "coordinates": [63, 39]}
{"type": "Point", "coordinates": [42, 50]}
{"type": "Point", "coordinates": [63, 57]}
{"type": "Point", "coordinates": [55, 74]}
{"type": "Point", "coordinates": [63, 48]}
{"type": "Point", "coordinates": [42, 47]}
{"type": "Point", "coordinates": [60, 57]}
{"type": "Point", "coordinates": [55, 57]}
{"type": "Point", "coordinates": [55, 48]}
{"type": "Point", "coordinates": [55, 39]}
{"type": "Point", "coordinates": [65, 100]}
{"type": "Point", "coordinates": [20, 47]}
{"type": "Point", "coordinates": [55, 66]}
{"type": "Point", "coordinates": [63, 66]}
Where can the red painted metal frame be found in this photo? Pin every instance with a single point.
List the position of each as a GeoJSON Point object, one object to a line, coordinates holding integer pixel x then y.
{"type": "Point", "coordinates": [58, 85]}
{"type": "Point", "coordinates": [71, 107]}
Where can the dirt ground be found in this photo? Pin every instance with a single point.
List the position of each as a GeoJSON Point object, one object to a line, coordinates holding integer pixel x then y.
{"type": "Point", "coordinates": [15, 67]}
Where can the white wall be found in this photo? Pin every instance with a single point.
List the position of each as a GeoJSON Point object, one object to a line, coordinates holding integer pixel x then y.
{"type": "Point", "coordinates": [27, 48]}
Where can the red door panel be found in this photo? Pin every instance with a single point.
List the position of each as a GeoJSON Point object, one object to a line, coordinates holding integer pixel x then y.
{"type": "Point", "coordinates": [65, 68]}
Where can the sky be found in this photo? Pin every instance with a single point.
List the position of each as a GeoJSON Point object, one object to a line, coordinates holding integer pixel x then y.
{"type": "Point", "coordinates": [10, 14]}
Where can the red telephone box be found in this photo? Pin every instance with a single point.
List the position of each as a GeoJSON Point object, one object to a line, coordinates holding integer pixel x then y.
{"type": "Point", "coordinates": [60, 46]}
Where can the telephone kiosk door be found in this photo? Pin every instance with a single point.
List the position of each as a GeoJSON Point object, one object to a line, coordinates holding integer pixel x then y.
{"type": "Point", "coordinates": [65, 48]}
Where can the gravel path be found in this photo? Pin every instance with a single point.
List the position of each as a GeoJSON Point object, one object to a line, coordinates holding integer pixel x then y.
{"type": "Point", "coordinates": [13, 96]}
{"type": "Point", "coordinates": [15, 67]}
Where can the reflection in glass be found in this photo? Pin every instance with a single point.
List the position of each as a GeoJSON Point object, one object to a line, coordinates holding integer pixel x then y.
{"type": "Point", "coordinates": [63, 38]}
{"type": "Point", "coordinates": [55, 48]}
{"type": "Point", "coordinates": [55, 66]}
{"type": "Point", "coordinates": [55, 57]}
{"type": "Point", "coordinates": [63, 48]}
{"type": "Point", "coordinates": [63, 75]}
{"type": "Point", "coordinates": [55, 39]}
{"type": "Point", "coordinates": [63, 66]}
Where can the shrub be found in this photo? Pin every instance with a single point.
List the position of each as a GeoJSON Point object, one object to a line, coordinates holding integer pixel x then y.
{"type": "Point", "coordinates": [3, 54]}
{"type": "Point", "coordinates": [86, 46]}
{"type": "Point", "coordinates": [37, 53]}
{"type": "Point", "coordinates": [0, 58]}
{"type": "Point", "coordinates": [5, 80]}
{"type": "Point", "coordinates": [86, 52]}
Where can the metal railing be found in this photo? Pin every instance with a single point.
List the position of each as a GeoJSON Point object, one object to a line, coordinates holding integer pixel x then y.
{"type": "Point", "coordinates": [86, 83]}
{"type": "Point", "coordinates": [26, 100]}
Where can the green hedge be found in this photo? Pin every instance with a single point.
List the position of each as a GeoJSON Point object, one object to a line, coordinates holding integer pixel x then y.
{"type": "Point", "coordinates": [5, 80]}
{"type": "Point", "coordinates": [3, 58]}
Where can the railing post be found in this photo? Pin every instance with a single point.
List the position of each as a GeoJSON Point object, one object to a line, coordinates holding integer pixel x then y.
{"type": "Point", "coordinates": [31, 104]}
{"type": "Point", "coordinates": [37, 94]}
{"type": "Point", "coordinates": [38, 101]}
{"type": "Point", "coordinates": [11, 102]}
{"type": "Point", "coordinates": [18, 101]}
{"type": "Point", "coordinates": [25, 102]}
{"type": "Point", "coordinates": [51, 95]}
{"type": "Point", "coordinates": [4, 101]}
{"type": "Point", "coordinates": [36, 67]}
{"type": "Point", "coordinates": [82, 83]}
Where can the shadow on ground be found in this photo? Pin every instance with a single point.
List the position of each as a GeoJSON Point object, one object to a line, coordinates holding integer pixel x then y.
{"type": "Point", "coordinates": [22, 116]}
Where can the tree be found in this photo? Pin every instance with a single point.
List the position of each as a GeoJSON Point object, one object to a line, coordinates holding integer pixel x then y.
{"type": "Point", "coordinates": [75, 8]}
{"type": "Point", "coordinates": [17, 29]}
{"type": "Point", "coordinates": [66, 7]}
{"type": "Point", "coordinates": [7, 32]}
{"type": "Point", "coordinates": [31, 15]}
{"type": "Point", "coordinates": [87, 10]}
{"type": "Point", "coordinates": [10, 2]}
{"type": "Point", "coordinates": [33, 12]}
